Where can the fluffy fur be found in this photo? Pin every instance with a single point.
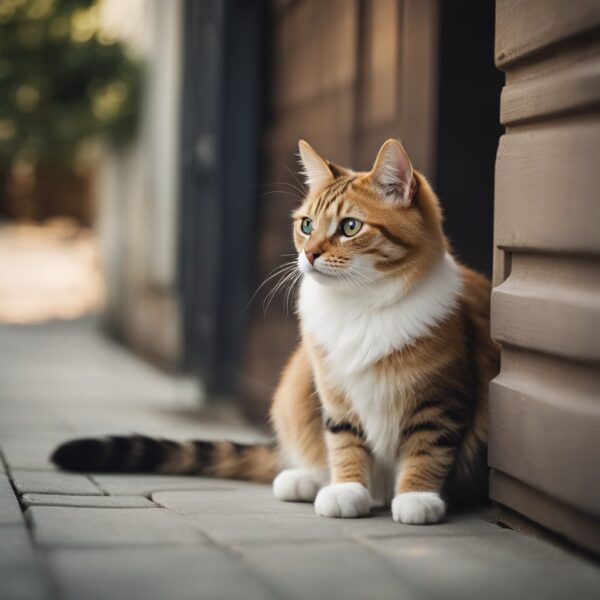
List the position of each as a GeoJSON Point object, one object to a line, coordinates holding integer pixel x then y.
{"type": "Point", "coordinates": [385, 397]}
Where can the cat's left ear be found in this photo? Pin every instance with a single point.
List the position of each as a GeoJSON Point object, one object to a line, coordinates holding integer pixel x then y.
{"type": "Point", "coordinates": [392, 174]}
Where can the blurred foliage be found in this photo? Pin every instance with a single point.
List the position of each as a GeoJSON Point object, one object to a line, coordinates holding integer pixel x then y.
{"type": "Point", "coordinates": [64, 82]}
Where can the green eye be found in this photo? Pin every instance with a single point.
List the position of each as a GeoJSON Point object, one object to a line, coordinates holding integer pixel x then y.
{"type": "Point", "coordinates": [350, 227]}
{"type": "Point", "coordinates": [306, 226]}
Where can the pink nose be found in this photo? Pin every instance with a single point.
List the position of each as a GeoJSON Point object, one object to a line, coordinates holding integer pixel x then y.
{"type": "Point", "coordinates": [312, 256]}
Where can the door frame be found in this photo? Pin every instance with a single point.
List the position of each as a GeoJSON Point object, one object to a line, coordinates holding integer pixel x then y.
{"type": "Point", "coordinates": [220, 127]}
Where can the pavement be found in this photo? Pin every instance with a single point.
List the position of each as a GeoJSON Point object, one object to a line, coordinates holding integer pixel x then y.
{"type": "Point", "coordinates": [48, 270]}
{"type": "Point", "coordinates": [82, 537]}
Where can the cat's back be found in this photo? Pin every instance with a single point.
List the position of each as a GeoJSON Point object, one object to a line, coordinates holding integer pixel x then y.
{"type": "Point", "coordinates": [477, 292]}
{"type": "Point", "coordinates": [476, 303]}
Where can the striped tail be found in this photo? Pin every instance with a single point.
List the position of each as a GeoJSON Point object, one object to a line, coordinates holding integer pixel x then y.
{"type": "Point", "coordinates": [141, 454]}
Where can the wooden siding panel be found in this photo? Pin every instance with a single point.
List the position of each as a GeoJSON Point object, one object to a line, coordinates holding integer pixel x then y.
{"type": "Point", "coordinates": [563, 292]}
{"type": "Point", "coordinates": [543, 183]}
{"type": "Point", "coordinates": [545, 510]}
{"type": "Point", "coordinates": [556, 93]}
{"type": "Point", "coordinates": [554, 439]}
{"type": "Point", "coordinates": [545, 403]}
{"type": "Point", "coordinates": [524, 27]}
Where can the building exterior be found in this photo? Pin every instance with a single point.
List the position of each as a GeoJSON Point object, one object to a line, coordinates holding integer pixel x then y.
{"type": "Point", "coordinates": [345, 76]}
{"type": "Point", "coordinates": [545, 411]}
{"type": "Point", "coordinates": [196, 215]}
{"type": "Point", "coordinates": [137, 188]}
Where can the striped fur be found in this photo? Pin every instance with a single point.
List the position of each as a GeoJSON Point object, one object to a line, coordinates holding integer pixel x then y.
{"type": "Point", "coordinates": [141, 454]}
{"type": "Point", "coordinates": [385, 396]}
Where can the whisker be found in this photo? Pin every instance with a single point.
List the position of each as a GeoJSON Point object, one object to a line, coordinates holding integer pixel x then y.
{"type": "Point", "coordinates": [284, 192]}
{"type": "Point", "coordinates": [280, 284]}
{"type": "Point", "coordinates": [272, 183]}
{"type": "Point", "coordinates": [288, 295]}
{"type": "Point", "coordinates": [296, 179]}
{"type": "Point", "coordinates": [301, 192]}
{"type": "Point", "coordinates": [273, 273]}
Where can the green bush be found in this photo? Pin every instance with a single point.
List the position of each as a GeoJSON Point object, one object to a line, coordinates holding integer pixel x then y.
{"type": "Point", "coordinates": [63, 82]}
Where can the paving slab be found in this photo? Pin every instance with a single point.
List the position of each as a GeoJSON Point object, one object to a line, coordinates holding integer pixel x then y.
{"type": "Point", "coordinates": [145, 485]}
{"type": "Point", "coordinates": [490, 567]}
{"type": "Point", "coordinates": [53, 482]}
{"type": "Point", "coordinates": [254, 500]}
{"type": "Point", "coordinates": [29, 454]}
{"type": "Point", "coordinates": [87, 501]}
{"type": "Point", "coordinates": [191, 573]}
{"type": "Point", "coordinates": [93, 527]}
{"type": "Point", "coordinates": [232, 500]}
{"type": "Point", "coordinates": [21, 576]}
{"type": "Point", "coordinates": [15, 426]}
{"type": "Point", "coordinates": [10, 511]}
{"type": "Point", "coordinates": [334, 569]}
{"type": "Point", "coordinates": [228, 529]}
{"type": "Point", "coordinates": [381, 524]}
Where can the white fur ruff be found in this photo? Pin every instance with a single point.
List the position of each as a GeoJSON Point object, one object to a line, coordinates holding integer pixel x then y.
{"type": "Point", "coordinates": [358, 330]}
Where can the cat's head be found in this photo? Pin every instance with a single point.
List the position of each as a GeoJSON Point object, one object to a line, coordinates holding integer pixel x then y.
{"type": "Point", "coordinates": [354, 230]}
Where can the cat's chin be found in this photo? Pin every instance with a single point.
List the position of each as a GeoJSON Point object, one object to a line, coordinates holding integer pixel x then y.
{"type": "Point", "coordinates": [331, 281]}
{"type": "Point", "coordinates": [323, 278]}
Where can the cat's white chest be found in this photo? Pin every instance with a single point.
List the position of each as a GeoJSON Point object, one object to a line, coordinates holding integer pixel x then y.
{"type": "Point", "coordinates": [378, 402]}
{"type": "Point", "coordinates": [356, 331]}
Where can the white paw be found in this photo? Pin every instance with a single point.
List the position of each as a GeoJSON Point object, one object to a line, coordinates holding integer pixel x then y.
{"type": "Point", "coordinates": [345, 500]}
{"type": "Point", "coordinates": [418, 508]}
{"type": "Point", "coordinates": [296, 485]}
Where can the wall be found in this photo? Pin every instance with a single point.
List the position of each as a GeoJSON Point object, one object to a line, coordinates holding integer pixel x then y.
{"type": "Point", "coordinates": [545, 404]}
{"type": "Point", "coordinates": [137, 188]}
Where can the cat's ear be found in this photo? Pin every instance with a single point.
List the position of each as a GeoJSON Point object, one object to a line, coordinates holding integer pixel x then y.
{"type": "Point", "coordinates": [316, 170]}
{"type": "Point", "coordinates": [392, 174]}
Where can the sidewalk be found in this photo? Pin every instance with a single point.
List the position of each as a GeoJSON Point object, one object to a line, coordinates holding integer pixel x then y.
{"type": "Point", "coordinates": [92, 537]}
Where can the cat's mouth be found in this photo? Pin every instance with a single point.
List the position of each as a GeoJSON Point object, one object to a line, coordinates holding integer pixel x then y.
{"type": "Point", "coordinates": [321, 272]}
{"type": "Point", "coordinates": [315, 268]}
{"type": "Point", "coordinates": [318, 272]}
{"type": "Point", "coordinates": [345, 274]}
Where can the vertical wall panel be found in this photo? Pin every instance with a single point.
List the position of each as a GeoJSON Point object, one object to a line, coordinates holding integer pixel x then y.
{"type": "Point", "coordinates": [545, 403]}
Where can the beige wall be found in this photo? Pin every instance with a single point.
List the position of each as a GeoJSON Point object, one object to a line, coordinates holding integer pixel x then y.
{"type": "Point", "coordinates": [137, 188]}
{"type": "Point", "coordinates": [545, 404]}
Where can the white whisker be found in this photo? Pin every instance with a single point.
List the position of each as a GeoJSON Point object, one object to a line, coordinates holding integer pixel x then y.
{"type": "Point", "coordinates": [274, 273]}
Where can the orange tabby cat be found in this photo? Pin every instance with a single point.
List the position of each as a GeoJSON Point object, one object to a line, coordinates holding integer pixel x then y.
{"type": "Point", "coordinates": [395, 343]}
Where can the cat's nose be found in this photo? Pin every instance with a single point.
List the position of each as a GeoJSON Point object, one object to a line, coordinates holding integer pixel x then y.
{"type": "Point", "coordinates": [312, 256]}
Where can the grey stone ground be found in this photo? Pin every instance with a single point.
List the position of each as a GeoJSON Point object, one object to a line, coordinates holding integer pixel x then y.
{"type": "Point", "coordinates": [85, 537]}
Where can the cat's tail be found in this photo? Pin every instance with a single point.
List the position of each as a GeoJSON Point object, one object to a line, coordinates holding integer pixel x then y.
{"type": "Point", "coordinates": [141, 454]}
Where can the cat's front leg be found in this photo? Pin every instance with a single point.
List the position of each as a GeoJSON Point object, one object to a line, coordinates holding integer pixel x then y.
{"type": "Point", "coordinates": [347, 496]}
{"type": "Point", "coordinates": [427, 454]}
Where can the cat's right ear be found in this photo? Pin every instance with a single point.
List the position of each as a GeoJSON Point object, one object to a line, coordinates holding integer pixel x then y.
{"type": "Point", "coordinates": [315, 169]}
{"type": "Point", "coordinates": [393, 174]}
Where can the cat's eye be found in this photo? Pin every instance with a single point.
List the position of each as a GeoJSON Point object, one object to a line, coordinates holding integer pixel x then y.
{"type": "Point", "coordinates": [350, 227]}
{"type": "Point", "coordinates": [306, 225]}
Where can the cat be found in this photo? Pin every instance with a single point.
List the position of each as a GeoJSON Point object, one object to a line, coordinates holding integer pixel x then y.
{"type": "Point", "coordinates": [385, 398]}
